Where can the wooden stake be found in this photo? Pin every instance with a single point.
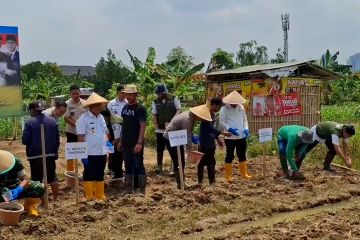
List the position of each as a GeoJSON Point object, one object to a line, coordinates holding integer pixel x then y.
{"type": "Point", "coordinates": [46, 201]}
{"type": "Point", "coordinates": [77, 183]}
{"type": "Point", "coordinates": [180, 168]}
{"type": "Point", "coordinates": [264, 162]}
{"type": "Point", "coordinates": [343, 167]}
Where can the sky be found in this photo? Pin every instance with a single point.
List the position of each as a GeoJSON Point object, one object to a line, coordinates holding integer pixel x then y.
{"type": "Point", "coordinates": [79, 32]}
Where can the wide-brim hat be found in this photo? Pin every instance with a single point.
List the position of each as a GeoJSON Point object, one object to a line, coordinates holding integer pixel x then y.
{"type": "Point", "coordinates": [306, 136]}
{"type": "Point", "coordinates": [202, 112]}
{"type": "Point", "coordinates": [95, 98]}
{"type": "Point", "coordinates": [7, 161]}
{"type": "Point", "coordinates": [130, 89]}
{"type": "Point", "coordinates": [234, 98]}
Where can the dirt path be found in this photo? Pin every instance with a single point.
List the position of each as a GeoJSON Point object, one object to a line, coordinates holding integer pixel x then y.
{"type": "Point", "coordinates": [241, 210]}
{"type": "Point", "coordinates": [272, 220]}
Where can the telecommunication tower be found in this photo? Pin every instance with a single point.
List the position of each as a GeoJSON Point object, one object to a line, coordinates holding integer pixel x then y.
{"type": "Point", "coordinates": [285, 18]}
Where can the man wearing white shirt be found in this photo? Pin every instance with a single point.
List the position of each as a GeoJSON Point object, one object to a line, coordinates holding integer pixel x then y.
{"type": "Point", "coordinates": [164, 108]}
{"type": "Point", "coordinates": [115, 107]}
{"type": "Point", "coordinates": [234, 120]}
{"type": "Point", "coordinates": [91, 128]}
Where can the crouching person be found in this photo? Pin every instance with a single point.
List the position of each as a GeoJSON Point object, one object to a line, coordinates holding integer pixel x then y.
{"type": "Point", "coordinates": [13, 178]}
{"type": "Point", "coordinates": [292, 142]}
{"type": "Point", "coordinates": [132, 141]}
{"type": "Point", "coordinates": [91, 128]}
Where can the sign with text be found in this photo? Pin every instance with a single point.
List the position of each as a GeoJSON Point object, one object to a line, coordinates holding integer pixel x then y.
{"type": "Point", "coordinates": [265, 135]}
{"type": "Point", "coordinates": [178, 138]}
{"type": "Point", "coordinates": [76, 150]}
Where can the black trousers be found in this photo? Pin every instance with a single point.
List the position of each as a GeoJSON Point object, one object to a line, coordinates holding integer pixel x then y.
{"type": "Point", "coordinates": [238, 145]}
{"type": "Point", "coordinates": [329, 156]}
{"type": "Point", "coordinates": [36, 169]}
{"type": "Point", "coordinates": [70, 137]}
{"type": "Point", "coordinates": [116, 160]}
{"type": "Point", "coordinates": [207, 160]}
{"type": "Point", "coordinates": [174, 156]}
{"type": "Point", "coordinates": [94, 170]}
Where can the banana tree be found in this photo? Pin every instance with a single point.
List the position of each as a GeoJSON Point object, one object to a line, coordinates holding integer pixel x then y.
{"type": "Point", "coordinates": [146, 77]}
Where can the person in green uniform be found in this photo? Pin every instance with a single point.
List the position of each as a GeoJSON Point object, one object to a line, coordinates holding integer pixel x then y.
{"type": "Point", "coordinates": [292, 142]}
{"type": "Point", "coordinates": [330, 133]}
{"type": "Point", "coordinates": [13, 179]}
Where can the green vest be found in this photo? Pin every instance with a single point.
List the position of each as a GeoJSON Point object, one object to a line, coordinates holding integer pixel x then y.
{"type": "Point", "coordinates": [325, 129]}
{"type": "Point", "coordinates": [165, 110]}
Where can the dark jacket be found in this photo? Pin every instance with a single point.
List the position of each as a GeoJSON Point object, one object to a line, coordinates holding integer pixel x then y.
{"type": "Point", "coordinates": [32, 136]}
{"type": "Point", "coordinates": [208, 134]}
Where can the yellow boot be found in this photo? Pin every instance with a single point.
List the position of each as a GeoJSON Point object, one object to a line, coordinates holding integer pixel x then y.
{"type": "Point", "coordinates": [228, 173]}
{"type": "Point", "coordinates": [70, 165]}
{"type": "Point", "coordinates": [99, 187]}
{"type": "Point", "coordinates": [89, 190]}
{"type": "Point", "coordinates": [30, 206]}
{"type": "Point", "coordinates": [243, 170]}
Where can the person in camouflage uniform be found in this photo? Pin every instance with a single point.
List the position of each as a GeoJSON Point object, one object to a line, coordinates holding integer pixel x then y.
{"type": "Point", "coordinates": [13, 178]}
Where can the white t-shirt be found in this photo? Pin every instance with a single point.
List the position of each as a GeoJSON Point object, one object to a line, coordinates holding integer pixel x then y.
{"type": "Point", "coordinates": [334, 138]}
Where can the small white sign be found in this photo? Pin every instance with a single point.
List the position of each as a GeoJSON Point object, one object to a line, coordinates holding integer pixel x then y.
{"type": "Point", "coordinates": [178, 138]}
{"type": "Point", "coordinates": [76, 150]}
{"type": "Point", "coordinates": [265, 135]}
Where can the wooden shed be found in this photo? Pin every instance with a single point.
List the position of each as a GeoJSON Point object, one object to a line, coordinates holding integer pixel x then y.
{"type": "Point", "coordinates": [276, 94]}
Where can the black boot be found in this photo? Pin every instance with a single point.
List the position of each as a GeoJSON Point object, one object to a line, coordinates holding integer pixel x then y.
{"type": "Point", "coordinates": [129, 184]}
{"type": "Point", "coordinates": [142, 183]}
{"type": "Point", "coordinates": [211, 174]}
{"type": "Point", "coordinates": [159, 162]}
{"type": "Point", "coordinates": [327, 162]}
{"type": "Point", "coordinates": [200, 173]}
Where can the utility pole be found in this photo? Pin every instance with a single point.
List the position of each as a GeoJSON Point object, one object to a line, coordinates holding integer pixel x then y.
{"type": "Point", "coordinates": [285, 18]}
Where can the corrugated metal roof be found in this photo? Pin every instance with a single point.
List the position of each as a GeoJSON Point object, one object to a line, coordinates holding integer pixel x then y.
{"type": "Point", "coordinates": [255, 68]}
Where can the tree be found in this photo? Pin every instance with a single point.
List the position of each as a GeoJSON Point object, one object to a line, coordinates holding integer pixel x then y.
{"type": "Point", "coordinates": [111, 70]}
{"type": "Point", "coordinates": [250, 54]}
{"type": "Point", "coordinates": [37, 69]}
{"type": "Point", "coordinates": [221, 60]}
{"type": "Point", "coordinates": [178, 57]}
{"type": "Point", "coordinates": [279, 57]}
{"type": "Point", "coordinates": [146, 77]}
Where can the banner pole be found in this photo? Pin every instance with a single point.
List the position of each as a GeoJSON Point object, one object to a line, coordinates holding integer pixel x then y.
{"type": "Point", "coordinates": [46, 201]}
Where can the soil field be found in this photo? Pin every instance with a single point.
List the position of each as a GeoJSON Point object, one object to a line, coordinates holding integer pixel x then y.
{"type": "Point", "coordinates": [324, 206]}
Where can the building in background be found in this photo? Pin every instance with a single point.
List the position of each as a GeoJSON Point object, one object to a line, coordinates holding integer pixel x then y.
{"type": "Point", "coordinates": [354, 61]}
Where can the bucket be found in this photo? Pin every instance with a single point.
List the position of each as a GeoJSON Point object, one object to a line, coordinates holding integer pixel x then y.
{"type": "Point", "coordinates": [194, 156]}
{"type": "Point", "coordinates": [10, 213]}
{"type": "Point", "coordinates": [70, 178]}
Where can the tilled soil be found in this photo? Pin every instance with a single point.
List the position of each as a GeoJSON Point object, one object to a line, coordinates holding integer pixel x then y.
{"type": "Point", "coordinates": [168, 213]}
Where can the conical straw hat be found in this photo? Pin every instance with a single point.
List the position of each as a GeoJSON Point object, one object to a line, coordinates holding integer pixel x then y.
{"type": "Point", "coordinates": [234, 98]}
{"type": "Point", "coordinates": [202, 112]}
{"type": "Point", "coordinates": [7, 161]}
{"type": "Point", "coordinates": [95, 99]}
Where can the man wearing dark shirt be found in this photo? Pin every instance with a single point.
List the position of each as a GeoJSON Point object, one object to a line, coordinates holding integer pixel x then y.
{"type": "Point", "coordinates": [132, 140]}
{"type": "Point", "coordinates": [208, 134]}
{"type": "Point", "coordinates": [32, 139]}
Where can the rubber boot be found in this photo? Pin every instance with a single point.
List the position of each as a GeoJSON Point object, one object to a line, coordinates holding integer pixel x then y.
{"type": "Point", "coordinates": [284, 167]}
{"type": "Point", "coordinates": [200, 174]}
{"type": "Point", "coordinates": [30, 206]}
{"type": "Point", "coordinates": [70, 165]}
{"type": "Point", "coordinates": [243, 170]}
{"type": "Point", "coordinates": [99, 190]}
{"type": "Point", "coordinates": [228, 172]}
{"type": "Point", "coordinates": [89, 190]}
{"type": "Point", "coordinates": [159, 162]}
{"type": "Point", "coordinates": [129, 184]}
{"type": "Point", "coordinates": [327, 162]}
{"type": "Point", "coordinates": [211, 174]}
{"type": "Point", "coordinates": [142, 183]}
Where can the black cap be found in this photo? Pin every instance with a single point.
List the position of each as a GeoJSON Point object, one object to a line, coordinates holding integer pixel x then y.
{"type": "Point", "coordinates": [350, 129]}
{"type": "Point", "coordinates": [120, 88]}
{"type": "Point", "coordinates": [37, 105]}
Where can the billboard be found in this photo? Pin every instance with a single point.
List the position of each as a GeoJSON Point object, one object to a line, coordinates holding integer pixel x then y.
{"type": "Point", "coordinates": [10, 81]}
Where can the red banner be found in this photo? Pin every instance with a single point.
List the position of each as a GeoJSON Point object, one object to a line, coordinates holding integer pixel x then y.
{"type": "Point", "coordinates": [276, 105]}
